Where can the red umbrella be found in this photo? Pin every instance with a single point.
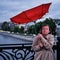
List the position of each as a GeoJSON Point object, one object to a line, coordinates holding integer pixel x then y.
{"type": "Point", "coordinates": [31, 14]}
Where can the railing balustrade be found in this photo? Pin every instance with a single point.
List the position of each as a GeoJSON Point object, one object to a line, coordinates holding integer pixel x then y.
{"type": "Point", "coordinates": [17, 51]}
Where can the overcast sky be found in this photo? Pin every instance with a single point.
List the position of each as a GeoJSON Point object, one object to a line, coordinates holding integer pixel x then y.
{"type": "Point", "coordinates": [10, 8]}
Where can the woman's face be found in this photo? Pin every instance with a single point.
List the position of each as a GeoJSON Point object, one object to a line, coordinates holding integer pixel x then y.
{"type": "Point", "coordinates": [45, 30]}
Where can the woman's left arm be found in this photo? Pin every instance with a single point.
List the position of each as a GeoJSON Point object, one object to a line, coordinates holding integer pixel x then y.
{"type": "Point", "coordinates": [48, 43]}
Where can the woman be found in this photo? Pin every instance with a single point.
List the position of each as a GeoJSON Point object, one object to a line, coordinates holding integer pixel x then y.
{"type": "Point", "coordinates": [42, 45]}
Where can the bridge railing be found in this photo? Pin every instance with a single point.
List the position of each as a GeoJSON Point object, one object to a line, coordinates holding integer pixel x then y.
{"type": "Point", "coordinates": [17, 51]}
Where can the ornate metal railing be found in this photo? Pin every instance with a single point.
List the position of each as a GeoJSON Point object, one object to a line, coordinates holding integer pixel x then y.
{"type": "Point", "coordinates": [17, 51]}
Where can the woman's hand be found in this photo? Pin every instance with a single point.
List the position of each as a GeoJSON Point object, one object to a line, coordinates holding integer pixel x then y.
{"type": "Point", "coordinates": [40, 44]}
{"type": "Point", "coordinates": [40, 36]}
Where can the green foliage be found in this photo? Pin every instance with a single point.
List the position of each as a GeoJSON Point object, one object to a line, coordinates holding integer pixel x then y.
{"type": "Point", "coordinates": [35, 29]}
{"type": "Point", "coordinates": [31, 29]}
{"type": "Point", "coordinates": [52, 25]}
{"type": "Point", "coordinates": [16, 29]}
{"type": "Point", "coordinates": [21, 30]}
{"type": "Point", "coordinates": [38, 27]}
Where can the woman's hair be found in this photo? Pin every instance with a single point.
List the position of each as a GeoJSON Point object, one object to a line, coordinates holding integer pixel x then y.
{"type": "Point", "coordinates": [44, 24]}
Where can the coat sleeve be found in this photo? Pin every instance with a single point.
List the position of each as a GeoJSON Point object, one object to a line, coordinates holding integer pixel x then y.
{"type": "Point", "coordinates": [48, 43]}
{"type": "Point", "coordinates": [35, 45]}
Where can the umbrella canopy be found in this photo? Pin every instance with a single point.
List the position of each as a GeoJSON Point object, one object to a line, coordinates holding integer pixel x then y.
{"type": "Point", "coordinates": [32, 14]}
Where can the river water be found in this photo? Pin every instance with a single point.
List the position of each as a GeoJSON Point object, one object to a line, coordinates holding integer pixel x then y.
{"type": "Point", "coordinates": [4, 39]}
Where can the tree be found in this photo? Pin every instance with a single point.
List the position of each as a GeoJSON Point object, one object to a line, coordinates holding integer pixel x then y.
{"type": "Point", "coordinates": [30, 29]}
{"type": "Point", "coordinates": [52, 25]}
{"type": "Point", "coordinates": [21, 30]}
{"type": "Point", "coordinates": [35, 29]}
{"type": "Point", "coordinates": [5, 26]}
{"type": "Point", "coordinates": [38, 27]}
{"type": "Point", "coordinates": [16, 29]}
